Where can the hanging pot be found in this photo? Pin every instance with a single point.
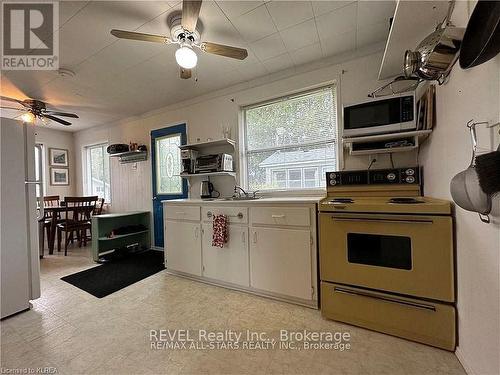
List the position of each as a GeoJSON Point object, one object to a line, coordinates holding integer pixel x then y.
{"type": "Point", "coordinates": [482, 37]}
{"type": "Point", "coordinates": [435, 56]}
{"type": "Point", "coordinates": [465, 189]}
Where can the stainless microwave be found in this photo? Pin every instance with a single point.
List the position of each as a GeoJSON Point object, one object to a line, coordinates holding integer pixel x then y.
{"type": "Point", "coordinates": [381, 115]}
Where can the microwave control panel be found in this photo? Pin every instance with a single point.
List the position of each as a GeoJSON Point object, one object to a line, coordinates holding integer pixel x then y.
{"type": "Point", "coordinates": [407, 108]}
{"type": "Point", "coordinates": [410, 175]}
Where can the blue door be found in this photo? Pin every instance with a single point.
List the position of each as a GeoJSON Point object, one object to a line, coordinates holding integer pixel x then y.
{"type": "Point", "coordinates": [166, 163]}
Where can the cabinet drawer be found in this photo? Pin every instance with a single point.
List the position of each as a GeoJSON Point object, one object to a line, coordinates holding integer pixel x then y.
{"type": "Point", "coordinates": [182, 212]}
{"type": "Point", "coordinates": [297, 216]}
{"type": "Point", "coordinates": [431, 323]}
{"type": "Point", "coordinates": [234, 214]}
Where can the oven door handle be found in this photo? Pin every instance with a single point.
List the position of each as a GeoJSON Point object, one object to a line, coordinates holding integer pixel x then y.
{"type": "Point", "coordinates": [372, 219]}
{"type": "Point", "coordinates": [385, 298]}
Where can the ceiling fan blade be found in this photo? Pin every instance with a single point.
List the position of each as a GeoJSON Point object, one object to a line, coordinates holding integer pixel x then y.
{"type": "Point", "coordinates": [123, 34]}
{"type": "Point", "coordinates": [59, 120]}
{"type": "Point", "coordinates": [190, 13]}
{"type": "Point", "coordinates": [185, 73]}
{"type": "Point", "coordinates": [17, 109]}
{"type": "Point", "coordinates": [223, 50]}
{"type": "Point", "coordinates": [7, 99]}
{"type": "Point", "coordinates": [64, 114]}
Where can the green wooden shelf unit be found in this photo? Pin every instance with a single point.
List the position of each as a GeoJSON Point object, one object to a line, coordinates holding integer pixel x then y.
{"type": "Point", "coordinates": [102, 225]}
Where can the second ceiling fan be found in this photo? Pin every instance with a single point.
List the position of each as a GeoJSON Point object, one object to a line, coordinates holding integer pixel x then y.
{"type": "Point", "coordinates": [183, 32]}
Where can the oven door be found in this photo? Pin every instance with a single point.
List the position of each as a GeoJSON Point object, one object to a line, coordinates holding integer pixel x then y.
{"type": "Point", "coordinates": [404, 254]}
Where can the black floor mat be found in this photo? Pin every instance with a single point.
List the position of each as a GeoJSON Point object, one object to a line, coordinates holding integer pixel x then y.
{"type": "Point", "coordinates": [110, 277]}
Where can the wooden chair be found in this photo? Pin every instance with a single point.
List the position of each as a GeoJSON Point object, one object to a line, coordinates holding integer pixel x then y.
{"type": "Point", "coordinates": [78, 212]}
{"type": "Point", "coordinates": [99, 207]}
{"type": "Point", "coordinates": [45, 222]}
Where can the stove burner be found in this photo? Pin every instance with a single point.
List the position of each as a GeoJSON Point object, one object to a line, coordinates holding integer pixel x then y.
{"type": "Point", "coordinates": [342, 200]}
{"type": "Point", "coordinates": [402, 200]}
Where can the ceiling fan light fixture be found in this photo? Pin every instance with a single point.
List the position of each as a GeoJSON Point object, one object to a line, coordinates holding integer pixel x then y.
{"type": "Point", "coordinates": [28, 117]}
{"type": "Point", "coordinates": [186, 57]}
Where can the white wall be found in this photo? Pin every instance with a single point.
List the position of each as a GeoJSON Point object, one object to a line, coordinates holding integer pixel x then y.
{"type": "Point", "coordinates": [51, 138]}
{"type": "Point", "coordinates": [131, 188]}
{"type": "Point", "coordinates": [470, 94]}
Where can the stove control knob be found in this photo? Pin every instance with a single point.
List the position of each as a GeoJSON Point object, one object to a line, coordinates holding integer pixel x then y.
{"type": "Point", "coordinates": [410, 179]}
{"type": "Point", "coordinates": [391, 176]}
{"type": "Point", "coordinates": [410, 172]}
{"type": "Point", "coordinates": [333, 175]}
{"type": "Point", "coordinates": [333, 182]}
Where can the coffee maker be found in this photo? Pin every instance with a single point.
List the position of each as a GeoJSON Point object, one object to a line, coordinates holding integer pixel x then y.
{"type": "Point", "coordinates": [188, 157]}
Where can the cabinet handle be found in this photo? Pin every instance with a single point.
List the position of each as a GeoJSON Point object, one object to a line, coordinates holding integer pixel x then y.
{"type": "Point", "coordinates": [278, 216]}
{"type": "Point", "coordinates": [254, 237]}
{"type": "Point", "coordinates": [196, 232]}
{"type": "Point", "coordinates": [243, 237]}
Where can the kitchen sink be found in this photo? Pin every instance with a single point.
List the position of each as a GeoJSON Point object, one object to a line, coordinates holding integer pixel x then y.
{"type": "Point", "coordinates": [243, 198]}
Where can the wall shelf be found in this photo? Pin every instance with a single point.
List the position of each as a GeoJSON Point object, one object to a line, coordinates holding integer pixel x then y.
{"type": "Point", "coordinates": [188, 175]}
{"type": "Point", "coordinates": [202, 145]}
{"type": "Point", "coordinates": [413, 21]}
{"type": "Point", "coordinates": [118, 236]}
{"type": "Point", "coordinates": [416, 136]}
{"type": "Point", "coordinates": [130, 156]}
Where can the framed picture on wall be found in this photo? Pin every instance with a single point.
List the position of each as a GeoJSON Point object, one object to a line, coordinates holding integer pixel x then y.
{"type": "Point", "coordinates": [59, 176]}
{"type": "Point", "coordinates": [58, 157]}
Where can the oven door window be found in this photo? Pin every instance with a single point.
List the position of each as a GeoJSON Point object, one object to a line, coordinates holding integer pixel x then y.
{"type": "Point", "coordinates": [379, 250]}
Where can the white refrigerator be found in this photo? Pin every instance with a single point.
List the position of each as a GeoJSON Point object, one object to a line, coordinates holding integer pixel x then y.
{"type": "Point", "coordinates": [19, 254]}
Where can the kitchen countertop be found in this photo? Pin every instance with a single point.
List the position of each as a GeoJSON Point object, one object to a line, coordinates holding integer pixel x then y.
{"type": "Point", "coordinates": [267, 200]}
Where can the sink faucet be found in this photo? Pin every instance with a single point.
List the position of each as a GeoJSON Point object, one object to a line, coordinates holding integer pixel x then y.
{"type": "Point", "coordinates": [238, 190]}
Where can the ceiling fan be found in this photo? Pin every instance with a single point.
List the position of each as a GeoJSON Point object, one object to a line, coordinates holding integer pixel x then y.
{"type": "Point", "coordinates": [34, 109]}
{"type": "Point", "coordinates": [183, 32]}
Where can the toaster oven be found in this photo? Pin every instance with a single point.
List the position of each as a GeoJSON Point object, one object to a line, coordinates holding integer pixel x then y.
{"type": "Point", "coordinates": [214, 163]}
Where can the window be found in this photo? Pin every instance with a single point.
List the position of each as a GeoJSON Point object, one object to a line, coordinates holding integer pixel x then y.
{"type": "Point", "coordinates": [289, 140]}
{"type": "Point", "coordinates": [97, 181]}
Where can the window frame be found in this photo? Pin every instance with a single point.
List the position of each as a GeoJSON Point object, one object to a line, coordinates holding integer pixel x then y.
{"type": "Point", "coordinates": [86, 170]}
{"type": "Point", "coordinates": [243, 153]}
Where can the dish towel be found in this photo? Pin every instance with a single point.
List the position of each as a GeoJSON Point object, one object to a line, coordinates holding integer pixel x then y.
{"type": "Point", "coordinates": [221, 234]}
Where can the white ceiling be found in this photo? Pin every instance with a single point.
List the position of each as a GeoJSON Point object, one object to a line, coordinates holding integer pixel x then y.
{"type": "Point", "coordinates": [116, 79]}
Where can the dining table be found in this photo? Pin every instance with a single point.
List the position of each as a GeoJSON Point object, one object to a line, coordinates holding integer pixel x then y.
{"type": "Point", "coordinates": [55, 213]}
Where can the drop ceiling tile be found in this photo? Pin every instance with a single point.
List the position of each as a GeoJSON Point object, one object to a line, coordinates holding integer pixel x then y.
{"type": "Point", "coordinates": [339, 21]}
{"type": "Point", "coordinates": [255, 24]}
{"type": "Point", "coordinates": [300, 35]}
{"type": "Point", "coordinates": [289, 13]}
{"type": "Point", "coordinates": [370, 34]}
{"type": "Point", "coordinates": [268, 47]}
{"type": "Point", "coordinates": [373, 12]}
{"type": "Point", "coordinates": [321, 7]}
{"type": "Point", "coordinates": [253, 71]}
{"type": "Point", "coordinates": [339, 44]}
{"type": "Point", "coordinates": [217, 28]}
{"type": "Point", "coordinates": [89, 30]}
{"type": "Point", "coordinates": [236, 8]}
{"type": "Point", "coordinates": [307, 54]}
{"type": "Point", "coordinates": [68, 9]}
{"type": "Point", "coordinates": [278, 63]}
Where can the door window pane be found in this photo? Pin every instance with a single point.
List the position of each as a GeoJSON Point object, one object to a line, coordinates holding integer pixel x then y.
{"type": "Point", "coordinates": [168, 165]}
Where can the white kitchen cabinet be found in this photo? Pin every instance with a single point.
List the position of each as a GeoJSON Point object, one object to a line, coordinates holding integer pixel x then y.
{"type": "Point", "coordinates": [272, 249]}
{"type": "Point", "coordinates": [183, 246]}
{"type": "Point", "coordinates": [230, 263]}
{"type": "Point", "coordinates": [280, 261]}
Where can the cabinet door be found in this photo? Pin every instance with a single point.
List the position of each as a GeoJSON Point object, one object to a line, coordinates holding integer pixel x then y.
{"type": "Point", "coordinates": [230, 263]}
{"type": "Point", "coordinates": [183, 246]}
{"type": "Point", "coordinates": [280, 261]}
